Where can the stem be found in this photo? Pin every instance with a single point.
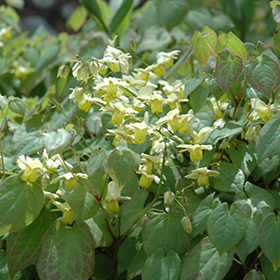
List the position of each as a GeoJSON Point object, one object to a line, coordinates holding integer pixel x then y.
{"type": "Point", "coordinates": [1, 150]}
{"type": "Point", "coordinates": [152, 203]}
{"type": "Point", "coordinates": [115, 261]}
{"type": "Point", "coordinates": [107, 223]}
{"type": "Point", "coordinates": [58, 107]}
{"type": "Point", "coordinates": [2, 161]}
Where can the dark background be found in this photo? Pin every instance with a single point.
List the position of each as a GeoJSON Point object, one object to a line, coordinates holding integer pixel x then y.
{"type": "Point", "coordinates": [52, 14]}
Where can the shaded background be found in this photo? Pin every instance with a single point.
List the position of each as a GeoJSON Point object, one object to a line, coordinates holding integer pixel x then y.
{"type": "Point", "coordinates": [52, 14]}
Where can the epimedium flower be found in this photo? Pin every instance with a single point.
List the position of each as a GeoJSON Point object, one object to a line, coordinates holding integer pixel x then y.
{"type": "Point", "coordinates": [31, 168]}
{"type": "Point", "coordinates": [117, 60]}
{"type": "Point", "coordinates": [202, 175]}
{"type": "Point", "coordinates": [113, 196]}
{"type": "Point", "coordinates": [55, 161]}
{"type": "Point", "coordinates": [147, 179]}
{"type": "Point", "coordinates": [70, 179]}
{"type": "Point", "coordinates": [63, 71]}
{"type": "Point", "coordinates": [195, 150]}
{"type": "Point", "coordinates": [80, 71]}
{"type": "Point", "coordinates": [262, 110]}
{"type": "Point", "coordinates": [119, 111]}
{"type": "Point", "coordinates": [109, 87]}
{"type": "Point", "coordinates": [167, 58]}
{"type": "Point", "coordinates": [141, 129]}
{"type": "Point", "coordinates": [177, 121]}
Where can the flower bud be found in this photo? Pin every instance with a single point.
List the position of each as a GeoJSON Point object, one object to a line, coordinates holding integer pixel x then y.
{"type": "Point", "coordinates": [168, 197]}
{"type": "Point", "coordinates": [68, 217]}
{"type": "Point", "coordinates": [63, 71]}
{"type": "Point", "coordinates": [94, 68]}
{"type": "Point", "coordinates": [45, 180]}
{"type": "Point", "coordinates": [187, 224]}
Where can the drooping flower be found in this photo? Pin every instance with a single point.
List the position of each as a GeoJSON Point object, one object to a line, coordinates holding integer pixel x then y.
{"type": "Point", "coordinates": [31, 168]}
{"type": "Point", "coordinates": [113, 196]}
{"type": "Point", "coordinates": [195, 150]}
{"type": "Point", "coordinates": [70, 179]}
{"type": "Point", "coordinates": [202, 175]}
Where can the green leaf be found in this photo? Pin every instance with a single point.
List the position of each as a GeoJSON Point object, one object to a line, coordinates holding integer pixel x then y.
{"type": "Point", "coordinates": [164, 231]}
{"type": "Point", "coordinates": [201, 215]}
{"type": "Point", "coordinates": [4, 272]}
{"type": "Point", "coordinates": [171, 13]}
{"type": "Point", "coordinates": [60, 139]}
{"type": "Point", "coordinates": [276, 13]}
{"type": "Point", "coordinates": [95, 161]}
{"type": "Point", "coordinates": [149, 17]}
{"type": "Point", "coordinates": [257, 198]}
{"type": "Point", "coordinates": [128, 249]}
{"type": "Point", "coordinates": [66, 253]}
{"type": "Point", "coordinates": [120, 15]}
{"type": "Point", "coordinates": [99, 230]}
{"type": "Point", "coordinates": [270, 230]}
{"type": "Point", "coordinates": [29, 143]}
{"type": "Point", "coordinates": [252, 275]}
{"type": "Point", "coordinates": [230, 130]}
{"type": "Point", "coordinates": [214, 87]}
{"type": "Point", "coordinates": [3, 102]}
{"type": "Point", "coordinates": [94, 9]}
{"type": "Point", "coordinates": [196, 276]}
{"type": "Point", "coordinates": [82, 202]}
{"type": "Point", "coordinates": [231, 178]}
{"type": "Point", "coordinates": [23, 246]}
{"type": "Point", "coordinates": [49, 56]}
{"type": "Point", "coordinates": [244, 158]}
{"type": "Point", "coordinates": [268, 269]}
{"type": "Point", "coordinates": [136, 265]}
{"type": "Point", "coordinates": [204, 258]}
{"type": "Point", "coordinates": [158, 267]}
{"type": "Point", "coordinates": [20, 204]}
{"type": "Point", "coordinates": [263, 74]}
{"type": "Point", "coordinates": [193, 84]}
{"type": "Point", "coordinates": [17, 106]}
{"type": "Point", "coordinates": [198, 97]}
{"type": "Point", "coordinates": [227, 70]}
{"type": "Point", "coordinates": [121, 166]}
{"type": "Point", "coordinates": [103, 267]}
{"type": "Point", "coordinates": [204, 43]}
{"type": "Point", "coordinates": [267, 138]}
{"type": "Point", "coordinates": [132, 209]}
{"type": "Point", "coordinates": [249, 242]}
{"type": "Point", "coordinates": [77, 18]}
{"type": "Point", "coordinates": [226, 228]}
{"type": "Point", "coordinates": [234, 44]}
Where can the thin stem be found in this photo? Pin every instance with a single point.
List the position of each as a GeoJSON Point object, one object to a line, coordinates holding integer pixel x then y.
{"type": "Point", "coordinates": [58, 107]}
{"type": "Point", "coordinates": [152, 203]}
{"type": "Point", "coordinates": [115, 261]}
{"type": "Point", "coordinates": [107, 223]}
{"type": "Point", "coordinates": [2, 161]}
{"type": "Point", "coordinates": [1, 150]}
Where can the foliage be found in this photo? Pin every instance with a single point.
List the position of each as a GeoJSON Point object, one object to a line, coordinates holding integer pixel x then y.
{"type": "Point", "coordinates": [156, 165]}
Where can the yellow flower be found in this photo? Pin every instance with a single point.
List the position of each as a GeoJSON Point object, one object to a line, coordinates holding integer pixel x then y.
{"type": "Point", "coordinates": [68, 217]}
{"type": "Point", "coordinates": [70, 179]}
{"type": "Point", "coordinates": [195, 150]}
{"type": "Point", "coordinates": [146, 180]}
{"type": "Point", "coordinates": [31, 168]}
{"type": "Point", "coordinates": [202, 175]}
{"type": "Point", "coordinates": [113, 196]}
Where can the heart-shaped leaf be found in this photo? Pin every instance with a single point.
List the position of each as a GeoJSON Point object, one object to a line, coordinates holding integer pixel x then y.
{"type": "Point", "coordinates": [269, 239]}
{"type": "Point", "coordinates": [66, 254]}
{"type": "Point", "coordinates": [121, 166]}
{"type": "Point", "coordinates": [227, 70]}
{"type": "Point", "coordinates": [158, 267]}
{"type": "Point", "coordinates": [204, 258]}
{"type": "Point", "coordinates": [225, 228]}
{"type": "Point", "coordinates": [263, 74]}
{"type": "Point", "coordinates": [204, 44]}
{"type": "Point", "coordinates": [57, 140]}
